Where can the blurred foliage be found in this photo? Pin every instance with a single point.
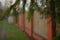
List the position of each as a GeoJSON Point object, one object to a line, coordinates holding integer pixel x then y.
{"type": "Point", "coordinates": [24, 2]}
{"type": "Point", "coordinates": [57, 10]}
{"type": "Point", "coordinates": [31, 10]}
{"type": "Point", "coordinates": [7, 12]}
{"type": "Point", "coordinates": [53, 10]}
{"type": "Point", "coordinates": [57, 37]}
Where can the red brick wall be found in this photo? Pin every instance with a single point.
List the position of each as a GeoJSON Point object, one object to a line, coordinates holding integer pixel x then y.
{"type": "Point", "coordinates": [21, 21]}
{"type": "Point", "coordinates": [35, 36]}
{"type": "Point", "coordinates": [30, 30]}
{"type": "Point", "coordinates": [49, 28]}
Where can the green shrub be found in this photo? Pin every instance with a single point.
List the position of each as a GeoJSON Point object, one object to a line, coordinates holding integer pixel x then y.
{"type": "Point", "coordinates": [57, 37]}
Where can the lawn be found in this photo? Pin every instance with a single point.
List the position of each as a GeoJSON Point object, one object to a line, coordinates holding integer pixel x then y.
{"type": "Point", "coordinates": [1, 24]}
{"type": "Point", "coordinates": [0, 27]}
{"type": "Point", "coordinates": [13, 33]}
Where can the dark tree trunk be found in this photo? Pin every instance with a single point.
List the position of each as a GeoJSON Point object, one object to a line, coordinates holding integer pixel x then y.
{"type": "Point", "coordinates": [53, 15]}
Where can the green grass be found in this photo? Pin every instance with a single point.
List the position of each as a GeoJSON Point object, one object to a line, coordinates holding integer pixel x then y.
{"type": "Point", "coordinates": [0, 24]}
{"type": "Point", "coordinates": [13, 33]}
{"type": "Point", "coordinates": [0, 27]}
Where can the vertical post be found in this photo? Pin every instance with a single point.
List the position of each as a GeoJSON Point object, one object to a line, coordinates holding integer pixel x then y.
{"type": "Point", "coordinates": [51, 24]}
{"type": "Point", "coordinates": [51, 28]}
{"type": "Point", "coordinates": [31, 27]}
{"type": "Point", "coordinates": [23, 22]}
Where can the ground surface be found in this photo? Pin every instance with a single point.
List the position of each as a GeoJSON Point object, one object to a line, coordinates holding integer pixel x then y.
{"type": "Point", "coordinates": [11, 32]}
